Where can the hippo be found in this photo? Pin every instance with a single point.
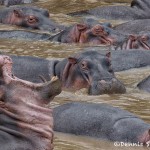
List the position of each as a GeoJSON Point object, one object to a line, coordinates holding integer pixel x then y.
{"type": "Point", "coordinates": [84, 33]}
{"type": "Point", "coordinates": [134, 26]}
{"type": "Point", "coordinates": [28, 17]}
{"type": "Point", "coordinates": [25, 121]}
{"type": "Point", "coordinates": [89, 69]}
{"type": "Point", "coordinates": [145, 84]}
{"type": "Point", "coordinates": [14, 2]}
{"type": "Point", "coordinates": [101, 121]}
{"type": "Point", "coordinates": [139, 9]}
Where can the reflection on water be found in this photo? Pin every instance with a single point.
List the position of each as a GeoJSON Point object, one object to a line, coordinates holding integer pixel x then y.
{"type": "Point", "coordinates": [134, 100]}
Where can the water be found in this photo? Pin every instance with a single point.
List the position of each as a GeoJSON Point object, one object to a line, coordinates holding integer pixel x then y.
{"type": "Point", "coordinates": [135, 101]}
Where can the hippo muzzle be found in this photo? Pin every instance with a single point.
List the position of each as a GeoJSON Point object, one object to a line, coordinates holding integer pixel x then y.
{"type": "Point", "coordinates": [110, 86]}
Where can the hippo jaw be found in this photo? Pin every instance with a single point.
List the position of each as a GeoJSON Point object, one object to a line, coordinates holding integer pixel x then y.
{"type": "Point", "coordinates": [113, 86]}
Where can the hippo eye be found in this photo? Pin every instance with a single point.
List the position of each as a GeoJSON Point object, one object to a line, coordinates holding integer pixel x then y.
{"type": "Point", "coordinates": [84, 66]}
{"type": "Point", "coordinates": [32, 19]}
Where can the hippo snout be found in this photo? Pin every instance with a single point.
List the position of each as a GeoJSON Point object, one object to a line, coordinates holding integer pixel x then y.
{"type": "Point", "coordinates": [112, 86]}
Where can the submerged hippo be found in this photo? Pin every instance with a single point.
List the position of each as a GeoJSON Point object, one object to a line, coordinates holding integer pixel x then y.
{"type": "Point", "coordinates": [139, 10]}
{"type": "Point", "coordinates": [89, 69]}
{"type": "Point", "coordinates": [14, 2]}
{"type": "Point", "coordinates": [25, 122]}
{"type": "Point", "coordinates": [84, 33]}
{"type": "Point", "coordinates": [145, 84]}
{"type": "Point", "coordinates": [28, 17]}
{"type": "Point", "coordinates": [101, 121]}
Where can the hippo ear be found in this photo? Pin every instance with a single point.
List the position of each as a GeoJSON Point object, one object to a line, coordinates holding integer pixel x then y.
{"type": "Point", "coordinates": [81, 27]}
{"type": "Point", "coordinates": [72, 60]}
{"type": "Point", "coordinates": [17, 13]}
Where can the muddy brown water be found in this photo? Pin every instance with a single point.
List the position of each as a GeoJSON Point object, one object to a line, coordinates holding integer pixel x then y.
{"type": "Point", "coordinates": [135, 101]}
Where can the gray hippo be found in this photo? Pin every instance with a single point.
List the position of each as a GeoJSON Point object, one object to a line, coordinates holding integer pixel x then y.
{"type": "Point", "coordinates": [89, 69]}
{"type": "Point", "coordinates": [28, 17]}
{"type": "Point", "coordinates": [101, 121]}
{"type": "Point", "coordinates": [25, 121]}
{"type": "Point", "coordinates": [139, 9]}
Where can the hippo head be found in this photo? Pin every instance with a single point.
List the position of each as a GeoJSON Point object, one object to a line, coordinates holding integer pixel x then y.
{"type": "Point", "coordinates": [14, 90]}
{"type": "Point", "coordinates": [96, 35]}
{"type": "Point", "coordinates": [135, 42]}
{"type": "Point", "coordinates": [83, 33]}
{"type": "Point", "coordinates": [31, 17]}
{"type": "Point", "coordinates": [90, 70]}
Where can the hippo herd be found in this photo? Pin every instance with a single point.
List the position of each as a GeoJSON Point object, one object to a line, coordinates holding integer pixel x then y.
{"type": "Point", "coordinates": [29, 83]}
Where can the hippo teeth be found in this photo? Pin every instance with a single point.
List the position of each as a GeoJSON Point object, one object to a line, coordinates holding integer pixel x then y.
{"type": "Point", "coordinates": [54, 78]}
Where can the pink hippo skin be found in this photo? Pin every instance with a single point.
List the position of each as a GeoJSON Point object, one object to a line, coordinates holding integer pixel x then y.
{"type": "Point", "coordinates": [25, 121]}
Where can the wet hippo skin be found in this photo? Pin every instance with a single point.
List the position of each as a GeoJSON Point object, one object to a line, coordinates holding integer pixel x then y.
{"type": "Point", "coordinates": [139, 9]}
{"type": "Point", "coordinates": [28, 17]}
{"type": "Point", "coordinates": [134, 26]}
{"type": "Point", "coordinates": [144, 85]}
{"type": "Point", "coordinates": [25, 121]}
{"type": "Point", "coordinates": [101, 121]}
{"type": "Point", "coordinates": [75, 72]}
